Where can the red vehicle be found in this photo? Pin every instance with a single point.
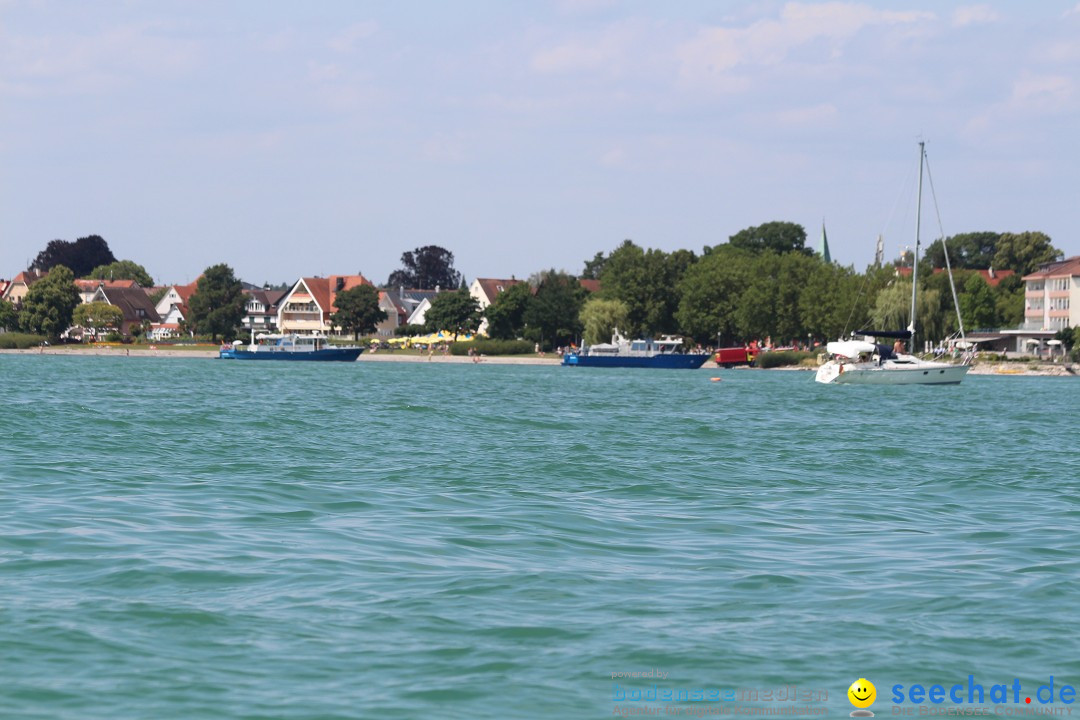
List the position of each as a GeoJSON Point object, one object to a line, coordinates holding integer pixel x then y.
{"type": "Point", "coordinates": [730, 357]}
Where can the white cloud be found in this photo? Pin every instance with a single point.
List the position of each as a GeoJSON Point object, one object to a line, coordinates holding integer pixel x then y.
{"type": "Point", "coordinates": [718, 50]}
{"type": "Point", "coordinates": [443, 148]}
{"type": "Point", "coordinates": [581, 7]}
{"type": "Point", "coordinates": [348, 39]}
{"type": "Point", "coordinates": [974, 15]}
{"type": "Point", "coordinates": [814, 115]}
{"type": "Point", "coordinates": [1042, 93]}
{"type": "Point", "coordinates": [606, 51]}
{"type": "Point", "coordinates": [1073, 11]}
{"type": "Point", "coordinates": [615, 157]}
{"type": "Point", "coordinates": [95, 63]}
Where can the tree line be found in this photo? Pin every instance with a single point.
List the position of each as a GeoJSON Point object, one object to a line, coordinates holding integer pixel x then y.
{"type": "Point", "coordinates": [763, 282]}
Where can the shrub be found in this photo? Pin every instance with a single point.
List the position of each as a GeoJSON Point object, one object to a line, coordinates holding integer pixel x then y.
{"type": "Point", "coordinates": [19, 341]}
{"type": "Point", "coordinates": [781, 358]}
{"type": "Point", "coordinates": [114, 337]}
{"type": "Point", "coordinates": [409, 330]}
{"type": "Point", "coordinates": [493, 347]}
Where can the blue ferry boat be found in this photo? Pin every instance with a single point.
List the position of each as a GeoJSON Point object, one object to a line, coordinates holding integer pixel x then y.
{"type": "Point", "coordinates": [620, 352]}
{"type": "Point", "coordinates": [289, 347]}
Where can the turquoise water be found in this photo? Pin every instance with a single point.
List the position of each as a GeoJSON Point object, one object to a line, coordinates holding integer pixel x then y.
{"type": "Point", "coordinates": [185, 538]}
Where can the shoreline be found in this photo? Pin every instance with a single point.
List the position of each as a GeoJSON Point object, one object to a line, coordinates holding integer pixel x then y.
{"type": "Point", "coordinates": [1008, 369]}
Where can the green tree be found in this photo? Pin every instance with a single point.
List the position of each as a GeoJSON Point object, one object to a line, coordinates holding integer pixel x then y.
{"type": "Point", "coordinates": [426, 268]}
{"type": "Point", "coordinates": [217, 305]}
{"type": "Point", "coordinates": [553, 316]}
{"type": "Point", "coordinates": [828, 303]}
{"type": "Point", "coordinates": [122, 270]}
{"type": "Point", "coordinates": [1010, 301]}
{"type": "Point", "coordinates": [48, 306]}
{"type": "Point", "coordinates": [1024, 252]}
{"type": "Point", "coordinates": [978, 306]}
{"type": "Point", "coordinates": [780, 237]}
{"type": "Point", "coordinates": [892, 311]}
{"type": "Point", "coordinates": [357, 310]}
{"type": "Point", "coordinates": [97, 316]}
{"type": "Point", "coordinates": [506, 315]}
{"type": "Point", "coordinates": [601, 318]}
{"type": "Point", "coordinates": [647, 282]}
{"type": "Point", "coordinates": [455, 311]}
{"type": "Point", "coordinates": [971, 251]}
{"type": "Point", "coordinates": [594, 268]}
{"type": "Point", "coordinates": [80, 256]}
{"type": "Point", "coordinates": [9, 316]}
{"type": "Point", "coordinates": [709, 294]}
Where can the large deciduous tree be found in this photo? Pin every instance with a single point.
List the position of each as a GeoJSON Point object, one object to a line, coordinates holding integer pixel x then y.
{"type": "Point", "coordinates": [506, 315]}
{"type": "Point", "coordinates": [455, 311]}
{"type": "Point", "coordinates": [780, 237]}
{"type": "Point", "coordinates": [553, 316]}
{"type": "Point", "coordinates": [601, 318]}
{"type": "Point", "coordinates": [709, 295]}
{"type": "Point", "coordinates": [97, 316]}
{"type": "Point", "coordinates": [50, 302]}
{"type": "Point", "coordinates": [970, 251]}
{"type": "Point", "coordinates": [426, 268]}
{"type": "Point", "coordinates": [122, 270]}
{"type": "Point", "coordinates": [978, 305]}
{"type": "Point", "coordinates": [80, 256]}
{"type": "Point", "coordinates": [647, 282]}
{"type": "Point", "coordinates": [1024, 252]}
{"type": "Point", "coordinates": [9, 316]}
{"type": "Point", "coordinates": [217, 305]}
{"type": "Point", "coordinates": [358, 310]}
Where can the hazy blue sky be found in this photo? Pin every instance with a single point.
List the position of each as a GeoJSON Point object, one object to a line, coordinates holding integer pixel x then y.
{"type": "Point", "coordinates": [289, 138]}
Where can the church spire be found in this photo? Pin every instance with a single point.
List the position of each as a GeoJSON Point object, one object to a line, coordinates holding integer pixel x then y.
{"type": "Point", "coordinates": [823, 245]}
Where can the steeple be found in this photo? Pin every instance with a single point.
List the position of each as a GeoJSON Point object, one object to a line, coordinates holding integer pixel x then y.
{"type": "Point", "coordinates": [823, 245]}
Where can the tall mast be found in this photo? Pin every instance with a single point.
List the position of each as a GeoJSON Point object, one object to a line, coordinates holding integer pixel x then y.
{"type": "Point", "coordinates": [915, 261]}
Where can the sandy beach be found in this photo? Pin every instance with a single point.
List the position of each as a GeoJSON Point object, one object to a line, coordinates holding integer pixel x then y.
{"type": "Point", "coordinates": [1006, 369]}
{"type": "Point", "coordinates": [381, 356]}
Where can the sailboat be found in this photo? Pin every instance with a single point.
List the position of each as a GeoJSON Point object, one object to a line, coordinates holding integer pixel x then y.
{"type": "Point", "coordinates": [866, 361]}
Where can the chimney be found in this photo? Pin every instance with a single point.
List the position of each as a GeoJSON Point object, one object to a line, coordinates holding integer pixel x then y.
{"type": "Point", "coordinates": [401, 292]}
{"type": "Point", "coordinates": [991, 272]}
{"type": "Point", "coordinates": [436, 289]}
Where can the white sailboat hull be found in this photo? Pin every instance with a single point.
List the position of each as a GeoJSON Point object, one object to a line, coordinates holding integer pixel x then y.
{"type": "Point", "coordinates": [904, 372]}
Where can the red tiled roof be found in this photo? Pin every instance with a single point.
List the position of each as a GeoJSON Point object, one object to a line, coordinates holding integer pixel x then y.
{"type": "Point", "coordinates": [992, 279]}
{"type": "Point", "coordinates": [1067, 267]}
{"type": "Point", "coordinates": [186, 291]}
{"type": "Point", "coordinates": [87, 285]}
{"type": "Point", "coordinates": [28, 277]}
{"type": "Point", "coordinates": [590, 285]}
{"type": "Point", "coordinates": [491, 287]}
{"type": "Point", "coordinates": [324, 289]}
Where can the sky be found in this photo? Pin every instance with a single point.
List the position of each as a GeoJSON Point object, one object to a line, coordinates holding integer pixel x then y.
{"type": "Point", "coordinates": [294, 139]}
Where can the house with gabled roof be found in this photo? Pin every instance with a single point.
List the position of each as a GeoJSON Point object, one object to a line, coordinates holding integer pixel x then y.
{"type": "Point", "coordinates": [261, 308]}
{"type": "Point", "coordinates": [87, 288]}
{"type": "Point", "coordinates": [19, 286]}
{"type": "Point", "coordinates": [133, 302]}
{"type": "Point", "coordinates": [397, 313]}
{"type": "Point", "coordinates": [485, 290]}
{"type": "Point", "coordinates": [307, 306]}
{"type": "Point", "coordinates": [172, 308]}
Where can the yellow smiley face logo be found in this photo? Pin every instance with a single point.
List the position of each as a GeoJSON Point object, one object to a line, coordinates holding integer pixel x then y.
{"type": "Point", "coordinates": [862, 693]}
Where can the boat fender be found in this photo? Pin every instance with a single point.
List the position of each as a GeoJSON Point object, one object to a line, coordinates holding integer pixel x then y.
{"type": "Point", "coordinates": [841, 369]}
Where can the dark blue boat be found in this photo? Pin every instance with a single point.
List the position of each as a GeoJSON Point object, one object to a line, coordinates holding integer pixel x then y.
{"type": "Point", "coordinates": [312, 348]}
{"type": "Point", "coordinates": [664, 353]}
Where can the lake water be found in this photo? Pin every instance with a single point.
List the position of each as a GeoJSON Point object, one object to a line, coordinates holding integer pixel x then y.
{"type": "Point", "coordinates": [185, 538]}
